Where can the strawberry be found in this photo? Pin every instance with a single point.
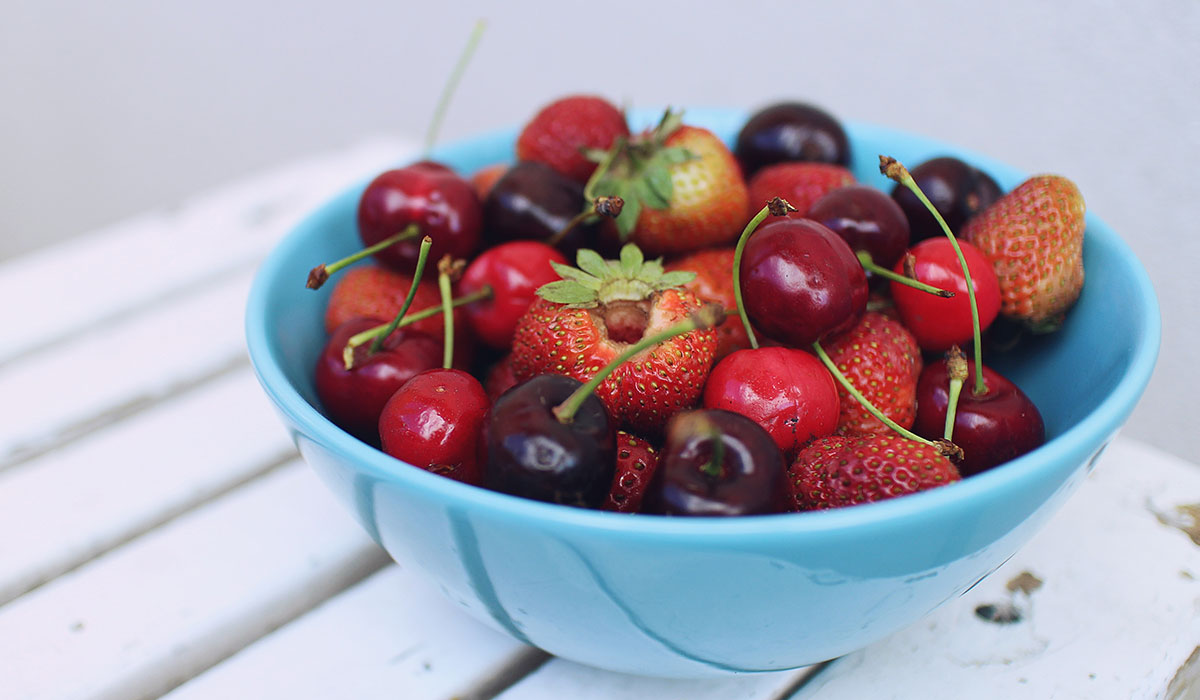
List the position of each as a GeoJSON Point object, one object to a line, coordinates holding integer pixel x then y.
{"type": "Point", "coordinates": [582, 322]}
{"type": "Point", "coordinates": [800, 183]}
{"type": "Point", "coordinates": [714, 283]}
{"type": "Point", "coordinates": [1033, 236]}
{"type": "Point", "coordinates": [378, 292]}
{"type": "Point", "coordinates": [559, 134]}
{"type": "Point", "coordinates": [682, 188]}
{"type": "Point", "coordinates": [483, 179]}
{"type": "Point", "coordinates": [841, 471]}
{"type": "Point", "coordinates": [636, 461]}
{"type": "Point", "coordinates": [882, 360]}
{"type": "Point", "coordinates": [499, 378]}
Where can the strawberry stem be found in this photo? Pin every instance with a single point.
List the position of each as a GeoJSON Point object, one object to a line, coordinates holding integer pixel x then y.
{"type": "Point", "coordinates": [870, 266]}
{"type": "Point", "coordinates": [372, 333]}
{"type": "Point", "coordinates": [319, 274]}
{"type": "Point", "coordinates": [956, 364]}
{"type": "Point", "coordinates": [862, 400]}
{"type": "Point", "coordinates": [439, 112]}
{"type": "Point", "coordinates": [422, 254]}
{"type": "Point", "coordinates": [709, 316]}
{"type": "Point", "coordinates": [896, 171]}
{"type": "Point", "coordinates": [775, 207]}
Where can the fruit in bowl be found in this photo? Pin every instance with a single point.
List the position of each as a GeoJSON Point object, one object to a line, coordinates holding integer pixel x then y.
{"type": "Point", "coordinates": [705, 596]}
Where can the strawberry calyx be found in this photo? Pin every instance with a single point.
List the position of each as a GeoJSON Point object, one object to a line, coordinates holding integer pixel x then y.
{"type": "Point", "coordinates": [599, 282]}
{"type": "Point", "coordinates": [638, 171]}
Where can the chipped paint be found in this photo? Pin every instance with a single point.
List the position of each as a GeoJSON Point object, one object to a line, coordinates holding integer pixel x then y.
{"type": "Point", "coordinates": [1024, 582]}
{"type": "Point", "coordinates": [1185, 518]}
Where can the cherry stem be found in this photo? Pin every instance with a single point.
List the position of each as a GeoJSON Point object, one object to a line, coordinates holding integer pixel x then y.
{"type": "Point", "coordinates": [956, 365]}
{"type": "Point", "coordinates": [713, 466]}
{"type": "Point", "coordinates": [439, 112]}
{"type": "Point", "coordinates": [601, 170]}
{"type": "Point", "coordinates": [870, 265]}
{"type": "Point", "coordinates": [862, 400]}
{"type": "Point", "coordinates": [372, 333]}
{"type": "Point", "coordinates": [895, 170]}
{"type": "Point", "coordinates": [320, 273]}
{"type": "Point", "coordinates": [709, 316]}
{"type": "Point", "coordinates": [772, 207]}
{"type": "Point", "coordinates": [445, 267]}
{"type": "Point", "coordinates": [422, 254]}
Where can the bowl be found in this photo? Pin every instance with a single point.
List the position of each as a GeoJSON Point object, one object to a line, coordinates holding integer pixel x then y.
{"type": "Point", "coordinates": [700, 597]}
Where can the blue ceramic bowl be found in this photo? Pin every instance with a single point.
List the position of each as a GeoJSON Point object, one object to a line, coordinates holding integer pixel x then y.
{"type": "Point", "coordinates": [699, 597]}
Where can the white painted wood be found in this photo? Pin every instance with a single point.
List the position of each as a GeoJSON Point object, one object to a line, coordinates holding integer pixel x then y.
{"type": "Point", "coordinates": [391, 636]}
{"type": "Point", "coordinates": [137, 359]}
{"type": "Point", "coordinates": [139, 620]}
{"type": "Point", "coordinates": [141, 260]}
{"type": "Point", "coordinates": [1118, 612]}
{"type": "Point", "coordinates": [565, 679]}
{"type": "Point", "coordinates": [63, 508]}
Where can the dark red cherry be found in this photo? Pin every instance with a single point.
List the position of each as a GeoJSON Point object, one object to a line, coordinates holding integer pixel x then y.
{"type": "Point", "coordinates": [717, 463]}
{"type": "Point", "coordinates": [991, 428]}
{"type": "Point", "coordinates": [938, 322]}
{"type": "Point", "coordinates": [787, 392]}
{"type": "Point", "coordinates": [434, 422]}
{"type": "Point", "coordinates": [867, 219]}
{"type": "Point", "coordinates": [791, 131]}
{"type": "Point", "coordinates": [530, 453]}
{"type": "Point", "coordinates": [801, 282]}
{"type": "Point", "coordinates": [443, 205]}
{"type": "Point", "coordinates": [514, 271]}
{"type": "Point", "coordinates": [534, 201]}
{"type": "Point", "coordinates": [354, 398]}
{"type": "Point", "coordinates": [957, 190]}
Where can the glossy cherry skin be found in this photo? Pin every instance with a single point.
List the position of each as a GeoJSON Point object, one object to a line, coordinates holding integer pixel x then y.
{"type": "Point", "coordinates": [533, 455]}
{"type": "Point", "coordinates": [514, 271]}
{"type": "Point", "coordinates": [867, 219]}
{"type": "Point", "coordinates": [534, 201]}
{"type": "Point", "coordinates": [791, 131]}
{"type": "Point", "coordinates": [787, 392]}
{"type": "Point", "coordinates": [957, 190]}
{"type": "Point", "coordinates": [991, 429]}
{"type": "Point", "coordinates": [441, 203]}
{"type": "Point", "coordinates": [751, 471]}
{"type": "Point", "coordinates": [434, 422]}
{"type": "Point", "coordinates": [354, 398]}
{"type": "Point", "coordinates": [939, 322]}
{"type": "Point", "coordinates": [801, 282]}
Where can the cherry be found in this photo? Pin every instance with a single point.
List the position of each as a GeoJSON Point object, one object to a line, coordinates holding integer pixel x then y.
{"type": "Point", "coordinates": [513, 271]}
{"type": "Point", "coordinates": [959, 191]}
{"type": "Point", "coordinates": [534, 201]}
{"type": "Point", "coordinates": [939, 322]}
{"type": "Point", "coordinates": [791, 131]}
{"type": "Point", "coordinates": [717, 463]}
{"type": "Point", "coordinates": [991, 428]}
{"type": "Point", "coordinates": [867, 219]}
{"type": "Point", "coordinates": [500, 378]}
{"type": "Point", "coordinates": [787, 392]}
{"type": "Point", "coordinates": [355, 397]}
{"type": "Point", "coordinates": [800, 282]}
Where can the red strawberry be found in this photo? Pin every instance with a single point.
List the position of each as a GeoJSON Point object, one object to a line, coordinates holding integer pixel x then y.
{"type": "Point", "coordinates": [841, 471]}
{"type": "Point", "coordinates": [559, 134]}
{"type": "Point", "coordinates": [882, 360]}
{"type": "Point", "coordinates": [499, 378]}
{"type": "Point", "coordinates": [581, 323]}
{"type": "Point", "coordinates": [378, 292]}
{"type": "Point", "coordinates": [1033, 236]}
{"type": "Point", "coordinates": [636, 461]}
{"type": "Point", "coordinates": [483, 179]}
{"type": "Point", "coordinates": [800, 183]}
{"type": "Point", "coordinates": [683, 190]}
{"type": "Point", "coordinates": [714, 282]}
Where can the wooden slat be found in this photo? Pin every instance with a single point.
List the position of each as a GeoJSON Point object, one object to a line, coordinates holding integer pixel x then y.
{"type": "Point", "coordinates": [64, 508]}
{"type": "Point", "coordinates": [147, 616]}
{"type": "Point", "coordinates": [391, 636]}
{"type": "Point", "coordinates": [121, 269]}
{"type": "Point", "coordinates": [564, 679]}
{"type": "Point", "coordinates": [1115, 615]}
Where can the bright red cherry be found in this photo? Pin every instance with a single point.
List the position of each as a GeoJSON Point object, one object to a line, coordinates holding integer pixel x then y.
{"type": "Point", "coordinates": [939, 322]}
{"type": "Point", "coordinates": [354, 398]}
{"type": "Point", "coordinates": [434, 422]}
{"type": "Point", "coordinates": [514, 271]}
{"type": "Point", "coordinates": [991, 428]}
{"type": "Point", "coordinates": [787, 392]}
{"type": "Point", "coordinates": [443, 205]}
{"type": "Point", "coordinates": [801, 282]}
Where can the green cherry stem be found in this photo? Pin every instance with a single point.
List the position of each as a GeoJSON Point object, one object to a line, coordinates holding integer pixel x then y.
{"type": "Point", "coordinates": [870, 266]}
{"type": "Point", "coordinates": [422, 254]}
{"type": "Point", "coordinates": [372, 333]}
{"type": "Point", "coordinates": [439, 112]}
{"type": "Point", "coordinates": [319, 274]}
{"type": "Point", "coordinates": [776, 207]}
{"type": "Point", "coordinates": [895, 170]}
{"type": "Point", "coordinates": [956, 364]}
{"type": "Point", "coordinates": [713, 466]}
{"type": "Point", "coordinates": [709, 316]}
{"type": "Point", "coordinates": [445, 270]}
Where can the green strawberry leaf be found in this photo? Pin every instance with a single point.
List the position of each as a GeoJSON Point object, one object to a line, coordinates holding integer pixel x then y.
{"type": "Point", "coordinates": [591, 262]}
{"type": "Point", "coordinates": [677, 278]}
{"type": "Point", "coordinates": [627, 220]}
{"type": "Point", "coordinates": [567, 292]}
{"type": "Point", "coordinates": [676, 155]}
{"type": "Point", "coordinates": [658, 182]}
{"type": "Point", "coordinates": [631, 258]}
{"type": "Point", "coordinates": [570, 273]}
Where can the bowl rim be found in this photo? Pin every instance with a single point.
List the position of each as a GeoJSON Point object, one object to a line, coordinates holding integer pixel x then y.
{"type": "Point", "coordinates": [1096, 428]}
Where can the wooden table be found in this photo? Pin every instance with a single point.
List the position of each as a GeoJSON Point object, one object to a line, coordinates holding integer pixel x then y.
{"type": "Point", "coordinates": [159, 535]}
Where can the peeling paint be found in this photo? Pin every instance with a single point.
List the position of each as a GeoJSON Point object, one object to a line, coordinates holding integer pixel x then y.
{"type": "Point", "coordinates": [1024, 582]}
{"type": "Point", "coordinates": [1185, 518]}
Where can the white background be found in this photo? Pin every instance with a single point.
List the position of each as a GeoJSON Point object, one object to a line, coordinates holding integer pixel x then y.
{"type": "Point", "coordinates": [109, 109]}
